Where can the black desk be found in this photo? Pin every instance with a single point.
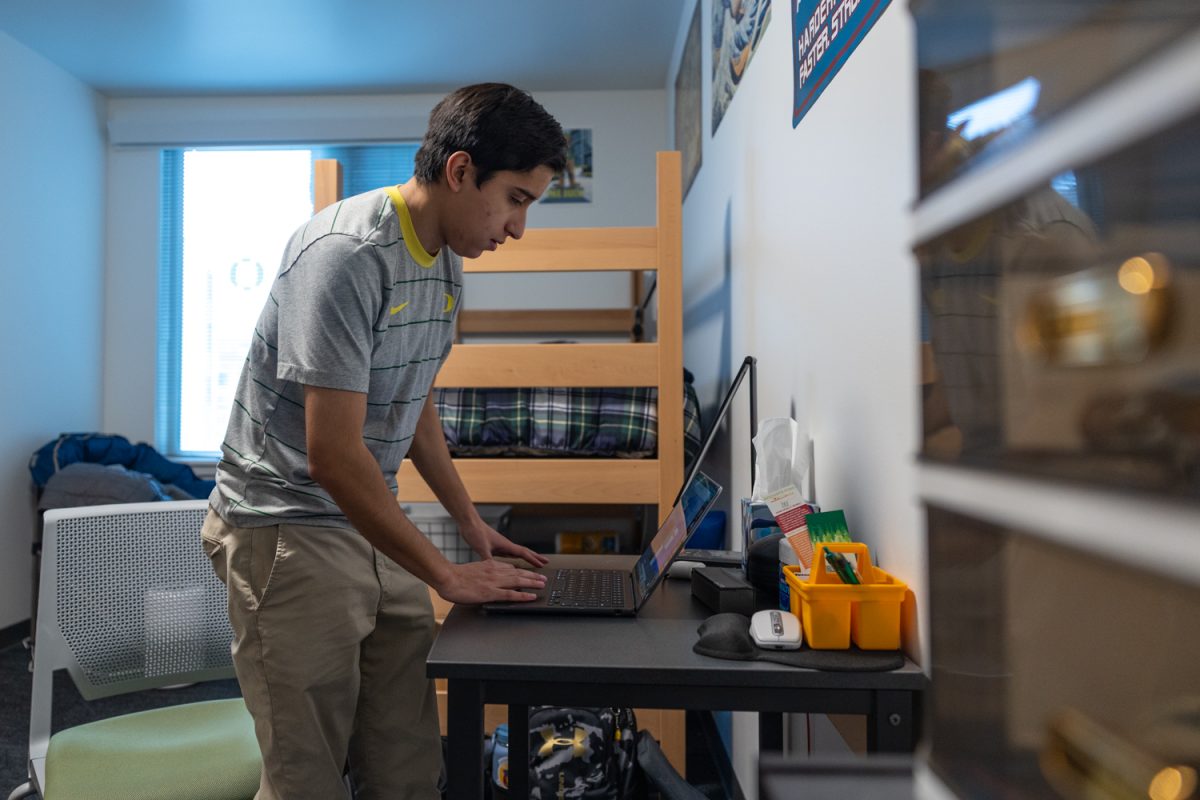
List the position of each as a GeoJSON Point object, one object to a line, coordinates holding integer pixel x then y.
{"type": "Point", "coordinates": [645, 662]}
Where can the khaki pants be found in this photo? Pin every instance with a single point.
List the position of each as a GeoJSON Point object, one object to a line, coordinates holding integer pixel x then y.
{"type": "Point", "coordinates": [330, 640]}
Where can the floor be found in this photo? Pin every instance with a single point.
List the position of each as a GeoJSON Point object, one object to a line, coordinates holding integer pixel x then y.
{"type": "Point", "coordinates": [71, 709]}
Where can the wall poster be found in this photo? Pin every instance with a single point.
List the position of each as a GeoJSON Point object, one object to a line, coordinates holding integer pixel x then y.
{"type": "Point", "coordinates": [824, 35]}
{"type": "Point", "coordinates": [737, 27]}
{"type": "Point", "coordinates": [687, 103]}
{"type": "Point", "coordinates": [574, 183]}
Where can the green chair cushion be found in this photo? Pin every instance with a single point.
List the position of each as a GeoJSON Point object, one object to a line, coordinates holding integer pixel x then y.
{"type": "Point", "coordinates": [195, 751]}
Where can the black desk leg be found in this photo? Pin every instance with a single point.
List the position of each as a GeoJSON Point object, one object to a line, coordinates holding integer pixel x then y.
{"type": "Point", "coordinates": [518, 751]}
{"type": "Point", "coordinates": [464, 729]}
{"type": "Point", "coordinates": [770, 732]}
{"type": "Point", "coordinates": [890, 725]}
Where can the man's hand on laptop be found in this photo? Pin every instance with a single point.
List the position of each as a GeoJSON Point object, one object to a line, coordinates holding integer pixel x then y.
{"type": "Point", "coordinates": [488, 581]}
{"type": "Point", "coordinates": [489, 542]}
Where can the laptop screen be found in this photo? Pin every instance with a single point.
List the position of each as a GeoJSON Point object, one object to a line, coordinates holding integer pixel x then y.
{"type": "Point", "coordinates": [701, 493]}
{"type": "Point", "coordinates": [663, 547]}
{"type": "Point", "coordinates": [696, 496]}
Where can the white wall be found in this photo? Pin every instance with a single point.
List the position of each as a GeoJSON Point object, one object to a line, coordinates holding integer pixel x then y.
{"type": "Point", "coordinates": [820, 284]}
{"type": "Point", "coordinates": [51, 278]}
{"type": "Point", "coordinates": [627, 129]}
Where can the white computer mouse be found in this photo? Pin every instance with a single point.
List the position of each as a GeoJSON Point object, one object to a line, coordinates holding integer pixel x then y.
{"type": "Point", "coordinates": [775, 630]}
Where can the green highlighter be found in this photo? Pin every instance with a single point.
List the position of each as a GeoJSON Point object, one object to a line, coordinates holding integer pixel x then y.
{"type": "Point", "coordinates": [841, 567]}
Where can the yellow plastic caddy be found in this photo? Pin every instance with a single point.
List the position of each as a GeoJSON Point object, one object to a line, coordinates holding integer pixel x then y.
{"type": "Point", "coordinates": [834, 613]}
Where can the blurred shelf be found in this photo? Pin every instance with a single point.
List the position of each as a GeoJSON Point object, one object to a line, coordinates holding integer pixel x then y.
{"type": "Point", "coordinates": [1146, 99]}
{"type": "Point", "coordinates": [1157, 534]}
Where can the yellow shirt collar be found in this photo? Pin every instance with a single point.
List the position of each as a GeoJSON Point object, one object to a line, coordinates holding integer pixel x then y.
{"type": "Point", "coordinates": [415, 248]}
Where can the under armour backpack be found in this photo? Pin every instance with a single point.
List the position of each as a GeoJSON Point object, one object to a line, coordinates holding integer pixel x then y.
{"type": "Point", "coordinates": [585, 753]}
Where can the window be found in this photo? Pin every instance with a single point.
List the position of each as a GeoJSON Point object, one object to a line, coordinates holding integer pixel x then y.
{"type": "Point", "coordinates": [226, 216]}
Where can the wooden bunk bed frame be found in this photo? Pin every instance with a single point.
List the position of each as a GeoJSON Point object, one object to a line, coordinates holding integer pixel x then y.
{"type": "Point", "coordinates": [652, 481]}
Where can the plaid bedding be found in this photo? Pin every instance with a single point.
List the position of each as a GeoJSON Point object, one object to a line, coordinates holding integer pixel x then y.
{"type": "Point", "coordinates": [614, 423]}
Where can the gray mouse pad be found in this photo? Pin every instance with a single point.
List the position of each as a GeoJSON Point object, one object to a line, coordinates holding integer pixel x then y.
{"type": "Point", "coordinates": [728, 636]}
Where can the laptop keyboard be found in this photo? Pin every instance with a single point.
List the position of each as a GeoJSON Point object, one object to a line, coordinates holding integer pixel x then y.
{"type": "Point", "coordinates": [587, 588]}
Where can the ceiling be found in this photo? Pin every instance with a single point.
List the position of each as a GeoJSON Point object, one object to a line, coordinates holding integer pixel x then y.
{"type": "Point", "coordinates": [130, 48]}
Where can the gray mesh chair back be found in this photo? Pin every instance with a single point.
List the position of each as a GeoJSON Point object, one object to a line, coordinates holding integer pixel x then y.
{"type": "Point", "coordinates": [128, 601]}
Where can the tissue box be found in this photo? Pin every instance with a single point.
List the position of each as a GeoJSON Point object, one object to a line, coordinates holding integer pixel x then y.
{"type": "Point", "coordinates": [757, 522]}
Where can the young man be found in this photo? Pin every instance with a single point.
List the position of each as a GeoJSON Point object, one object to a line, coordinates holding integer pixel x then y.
{"type": "Point", "coordinates": [326, 576]}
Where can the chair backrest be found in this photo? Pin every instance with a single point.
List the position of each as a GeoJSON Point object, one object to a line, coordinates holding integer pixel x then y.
{"type": "Point", "coordinates": [129, 600]}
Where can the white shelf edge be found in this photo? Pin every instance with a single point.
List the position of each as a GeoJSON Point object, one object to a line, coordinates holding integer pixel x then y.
{"type": "Point", "coordinates": [1157, 534]}
{"type": "Point", "coordinates": [1149, 97]}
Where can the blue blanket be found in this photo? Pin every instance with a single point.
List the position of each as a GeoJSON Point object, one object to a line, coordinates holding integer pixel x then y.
{"type": "Point", "coordinates": [108, 449]}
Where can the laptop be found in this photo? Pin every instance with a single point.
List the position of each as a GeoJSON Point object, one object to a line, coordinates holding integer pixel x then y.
{"type": "Point", "coordinates": [576, 589]}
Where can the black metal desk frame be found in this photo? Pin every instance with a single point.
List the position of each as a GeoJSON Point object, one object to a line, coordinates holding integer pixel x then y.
{"type": "Point", "coordinates": [644, 662]}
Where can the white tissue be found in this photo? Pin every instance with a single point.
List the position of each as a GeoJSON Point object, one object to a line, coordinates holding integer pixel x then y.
{"type": "Point", "coordinates": [781, 457]}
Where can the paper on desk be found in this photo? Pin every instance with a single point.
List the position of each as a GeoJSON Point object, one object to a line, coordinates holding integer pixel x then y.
{"type": "Point", "coordinates": [791, 513]}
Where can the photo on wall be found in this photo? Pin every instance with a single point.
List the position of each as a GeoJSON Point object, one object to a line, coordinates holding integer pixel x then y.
{"type": "Point", "coordinates": [574, 183]}
{"type": "Point", "coordinates": [737, 27]}
{"type": "Point", "coordinates": [688, 123]}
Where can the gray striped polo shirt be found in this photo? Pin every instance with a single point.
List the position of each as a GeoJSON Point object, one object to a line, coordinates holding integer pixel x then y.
{"type": "Point", "coordinates": [357, 305]}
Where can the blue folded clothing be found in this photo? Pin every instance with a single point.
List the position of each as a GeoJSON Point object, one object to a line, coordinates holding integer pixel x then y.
{"type": "Point", "coordinates": [109, 449]}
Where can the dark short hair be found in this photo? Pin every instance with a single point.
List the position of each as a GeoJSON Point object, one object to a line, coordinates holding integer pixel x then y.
{"type": "Point", "coordinates": [500, 126]}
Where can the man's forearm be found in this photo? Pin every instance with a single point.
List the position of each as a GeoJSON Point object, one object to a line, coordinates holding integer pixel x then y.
{"type": "Point", "coordinates": [431, 457]}
{"type": "Point", "coordinates": [339, 461]}
{"type": "Point", "coordinates": [356, 485]}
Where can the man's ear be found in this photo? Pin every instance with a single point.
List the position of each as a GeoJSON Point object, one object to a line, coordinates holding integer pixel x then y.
{"type": "Point", "coordinates": [459, 170]}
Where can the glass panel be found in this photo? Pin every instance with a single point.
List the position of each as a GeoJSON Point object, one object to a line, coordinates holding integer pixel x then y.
{"type": "Point", "coordinates": [1056, 674]}
{"type": "Point", "coordinates": [992, 72]}
{"type": "Point", "coordinates": [1061, 332]}
{"type": "Point", "coordinates": [239, 208]}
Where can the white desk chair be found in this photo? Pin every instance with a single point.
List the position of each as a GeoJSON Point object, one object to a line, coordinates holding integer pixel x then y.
{"type": "Point", "coordinates": [128, 601]}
